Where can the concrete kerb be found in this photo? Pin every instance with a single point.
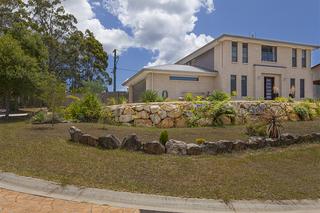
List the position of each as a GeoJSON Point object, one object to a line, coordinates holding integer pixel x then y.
{"type": "Point", "coordinates": [149, 202]}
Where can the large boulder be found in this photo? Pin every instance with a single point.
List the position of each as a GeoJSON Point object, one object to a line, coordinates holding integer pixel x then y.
{"type": "Point", "coordinates": [288, 139]}
{"type": "Point", "coordinates": [162, 114]}
{"type": "Point", "coordinates": [274, 142]}
{"type": "Point", "coordinates": [210, 148]}
{"type": "Point", "coordinates": [153, 147]}
{"type": "Point", "coordinates": [181, 122]}
{"type": "Point", "coordinates": [166, 123]}
{"type": "Point", "coordinates": [176, 147]}
{"type": "Point", "coordinates": [128, 111]}
{"type": "Point", "coordinates": [88, 140]}
{"type": "Point", "coordinates": [131, 143]}
{"type": "Point", "coordinates": [154, 108]}
{"type": "Point", "coordinates": [169, 107]}
{"type": "Point", "coordinates": [75, 134]}
{"type": "Point", "coordinates": [224, 146]}
{"type": "Point", "coordinates": [256, 142]}
{"type": "Point", "coordinates": [125, 118]}
{"type": "Point", "coordinates": [176, 113]}
{"type": "Point", "coordinates": [239, 145]}
{"type": "Point", "coordinates": [142, 114]}
{"type": "Point", "coordinates": [204, 122]}
{"type": "Point", "coordinates": [155, 118]}
{"type": "Point", "coordinates": [315, 137]}
{"type": "Point", "coordinates": [109, 142]}
{"type": "Point", "coordinates": [193, 149]}
{"type": "Point", "coordinates": [143, 123]}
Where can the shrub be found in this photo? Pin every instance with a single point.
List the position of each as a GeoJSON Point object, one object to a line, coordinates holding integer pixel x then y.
{"type": "Point", "coordinates": [198, 98]}
{"type": "Point", "coordinates": [188, 96]}
{"type": "Point", "coordinates": [281, 99]}
{"type": "Point", "coordinates": [302, 112]}
{"type": "Point", "coordinates": [112, 101]}
{"type": "Point", "coordinates": [249, 98]}
{"type": "Point", "coordinates": [274, 125]}
{"type": "Point", "coordinates": [256, 129]}
{"type": "Point", "coordinates": [219, 109]}
{"type": "Point", "coordinates": [151, 96]}
{"type": "Point", "coordinates": [39, 117]}
{"type": "Point", "coordinates": [106, 117]}
{"type": "Point", "coordinates": [122, 100]}
{"type": "Point", "coordinates": [200, 141]}
{"type": "Point", "coordinates": [164, 137]}
{"type": "Point", "coordinates": [219, 96]}
{"type": "Point", "coordinates": [88, 109]}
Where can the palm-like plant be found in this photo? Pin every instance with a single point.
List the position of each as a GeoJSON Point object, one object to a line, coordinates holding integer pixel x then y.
{"type": "Point", "coordinates": [274, 123]}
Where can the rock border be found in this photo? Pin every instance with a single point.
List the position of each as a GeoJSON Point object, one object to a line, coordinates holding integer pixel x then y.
{"type": "Point", "coordinates": [175, 147]}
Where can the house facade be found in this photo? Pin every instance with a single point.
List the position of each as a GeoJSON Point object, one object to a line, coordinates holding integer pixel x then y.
{"type": "Point", "coordinates": [244, 66]}
{"type": "Point", "coordinates": [316, 80]}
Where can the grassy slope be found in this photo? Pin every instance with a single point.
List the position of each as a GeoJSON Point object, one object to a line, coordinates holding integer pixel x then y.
{"type": "Point", "coordinates": [288, 173]}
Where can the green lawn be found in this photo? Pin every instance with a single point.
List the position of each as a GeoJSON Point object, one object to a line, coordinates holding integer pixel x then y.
{"type": "Point", "coordinates": [282, 173]}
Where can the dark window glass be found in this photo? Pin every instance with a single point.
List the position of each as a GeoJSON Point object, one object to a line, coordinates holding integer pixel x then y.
{"type": "Point", "coordinates": [269, 53]}
{"type": "Point", "coordinates": [304, 58]}
{"type": "Point", "coordinates": [234, 51]}
{"type": "Point", "coordinates": [244, 86]}
{"type": "Point", "coordinates": [183, 78]}
{"type": "Point", "coordinates": [233, 82]}
{"type": "Point", "coordinates": [294, 57]}
{"type": "Point", "coordinates": [302, 94]}
{"type": "Point", "coordinates": [245, 53]}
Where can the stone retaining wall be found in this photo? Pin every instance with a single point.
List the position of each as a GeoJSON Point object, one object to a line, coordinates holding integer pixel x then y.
{"type": "Point", "coordinates": [177, 114]}
{"type": "Point", "coordinates": [132, 143]}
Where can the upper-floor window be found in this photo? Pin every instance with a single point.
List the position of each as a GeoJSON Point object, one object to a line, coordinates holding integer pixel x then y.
{"type": "Point", "coordinates": [269, 53]}
{"type": "Point", "coordinates": [234, 52]}
{"type": "Point", "coordinates": [294, 57]}
{"type": "Point", "coordinates": [304, 58]}
{"type": "Point", "coordinates": [245, 53]}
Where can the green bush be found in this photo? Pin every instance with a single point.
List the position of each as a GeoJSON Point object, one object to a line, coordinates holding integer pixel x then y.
{"type": "Point", "coordinates": [39, 117]}
{"type": "Point", "coordinates": [122, 100]}
{"type": "Point", "coordinates": [219, 109]}
{"type": "Point", "coordinates": [86, 110]}
{"type": "Point", "coordinates": [106, 117]}
{"type": "Point", "coordinates": [256, 129]}
{"type": "Point", "coordinates": [188, 96]}
{"type": "Point", "coordinates": [151, 96]}
{"type": "Point", "coordinates": [302, 112]}
{"type": "Point", "coordinates": [281, 99]}
{"type": "Point", "coordinates": [219, 96]}
{"type": "Point", "coordinates": [164, 137]}
{"type": "Point", "coordinates": [200, 141]}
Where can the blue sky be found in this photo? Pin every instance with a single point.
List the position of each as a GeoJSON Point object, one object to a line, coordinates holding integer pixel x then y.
{"type": "Point", "coordinates": [148, 33]}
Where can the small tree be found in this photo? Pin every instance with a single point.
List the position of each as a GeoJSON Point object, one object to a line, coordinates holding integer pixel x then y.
{"type": "Point", "coordinates": [53, 93]}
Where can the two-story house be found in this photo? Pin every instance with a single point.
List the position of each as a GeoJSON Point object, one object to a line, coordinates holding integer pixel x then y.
{"type": "Point", "coordinates": [245, 66]}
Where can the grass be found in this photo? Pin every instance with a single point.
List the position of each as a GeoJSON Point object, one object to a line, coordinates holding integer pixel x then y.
{"type": "Point", "coordinates": [276, 174]}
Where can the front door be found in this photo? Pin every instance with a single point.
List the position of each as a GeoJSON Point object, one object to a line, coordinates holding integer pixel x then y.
{"type": "Point", "coordinates": [268, 88]}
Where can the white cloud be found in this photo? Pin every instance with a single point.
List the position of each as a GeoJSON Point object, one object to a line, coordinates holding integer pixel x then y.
{"type": "Point", "coordinates": [163, 26]}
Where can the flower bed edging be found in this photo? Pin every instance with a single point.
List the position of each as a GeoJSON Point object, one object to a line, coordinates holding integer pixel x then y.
{"type": "Point", "coordinates": [132, 143]}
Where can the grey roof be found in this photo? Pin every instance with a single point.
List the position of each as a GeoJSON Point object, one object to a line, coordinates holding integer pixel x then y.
{"type": "Point", "coordinates": [315, 66]}
{"type": "Point", "coordinates": [251, 38]}
{"type": "Point", "coordinates": [177, 67]}
{"type": "Point", "coordinates": [170, 68]}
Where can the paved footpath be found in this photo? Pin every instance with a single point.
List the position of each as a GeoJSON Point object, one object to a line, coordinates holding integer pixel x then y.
{"type": "Point", "coordinates": [16, 202]}
{"type": "Point", "coordinates": [26, 194]}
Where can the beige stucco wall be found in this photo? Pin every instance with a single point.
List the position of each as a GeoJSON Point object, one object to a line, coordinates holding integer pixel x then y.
{"type": "Point", "coordinates": [177, 88]}
{"type": "Point", "coordinates": [256, 74]}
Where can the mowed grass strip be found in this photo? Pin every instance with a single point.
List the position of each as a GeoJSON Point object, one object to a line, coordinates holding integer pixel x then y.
{"type": "Point", "coordinates": [276, 174]}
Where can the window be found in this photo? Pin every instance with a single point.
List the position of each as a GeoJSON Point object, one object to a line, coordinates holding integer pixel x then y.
{"type": "Point", "coordinates": [245, 53]}
{"type": "Point", "coordinates": [269, 53]}
{"type": "Point", "coordinates": [302, 95]}
{"type": "Point", "coordinates": [234, 52]}
{"type": "Point", "coordinates": [304, 58]}
{"type": "Point", "coordinates": [294, 57]}
{"type": "Point", "coordinates": [233, 82]}
{"type": "Point", "coordinates": [292, 91]}
{"type": "Point", "coordinates": [183, 78]}
{"type": "Point", "coordinates": [244, 86]}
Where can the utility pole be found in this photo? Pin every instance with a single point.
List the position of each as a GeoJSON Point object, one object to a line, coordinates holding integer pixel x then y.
{"type": "Point", "coordinates": [115, 62]}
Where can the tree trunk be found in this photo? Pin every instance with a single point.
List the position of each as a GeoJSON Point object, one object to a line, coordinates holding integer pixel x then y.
{"type": "Point", "coordinates": [7, 103]}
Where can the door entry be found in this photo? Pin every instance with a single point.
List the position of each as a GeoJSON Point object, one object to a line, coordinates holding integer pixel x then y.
{"type": "Point", "coordinates": [268, 88]}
